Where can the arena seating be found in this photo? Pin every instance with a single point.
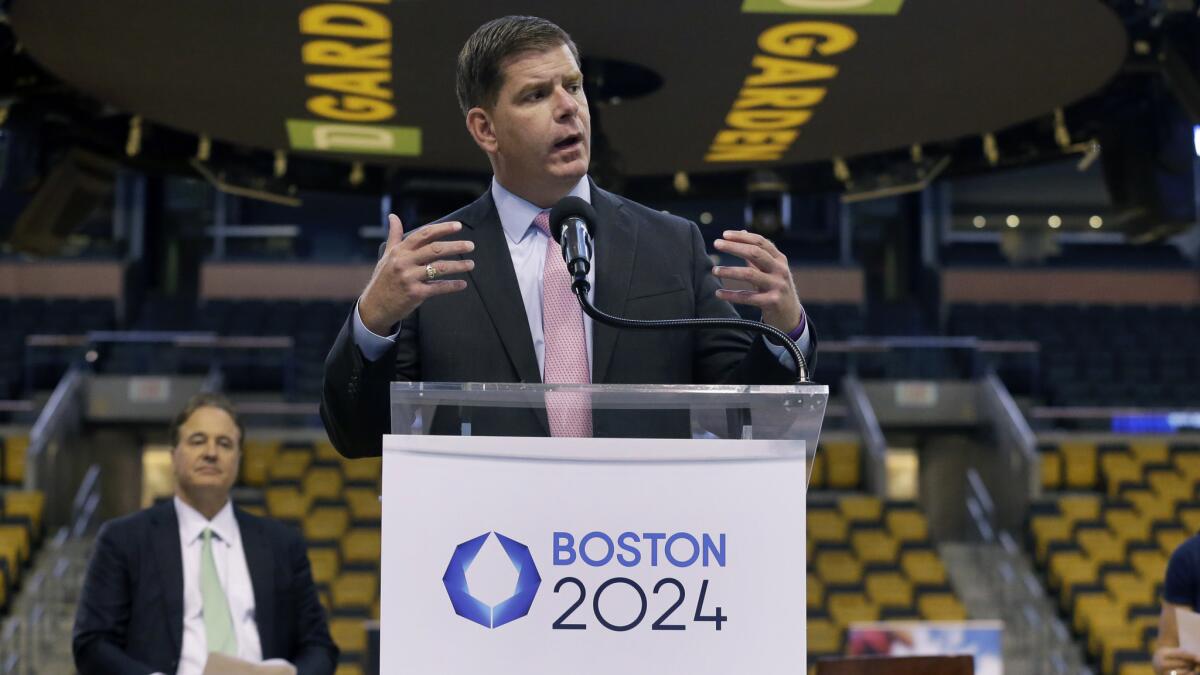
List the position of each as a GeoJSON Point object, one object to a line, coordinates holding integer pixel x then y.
{"type": "Point", "coordinates": [20, 318]}
{"type": "Point", "coordinates": [871, 560]}
{"type": "Point", "coordinates": [335, 503]}
{"type": "Point", "coordinates": [1099, 355]}
{"type": "Point", "coordinates": [1115, 511]}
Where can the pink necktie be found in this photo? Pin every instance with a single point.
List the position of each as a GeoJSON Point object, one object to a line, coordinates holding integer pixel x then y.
{"type": "Point", "coordinates": [566, 349]}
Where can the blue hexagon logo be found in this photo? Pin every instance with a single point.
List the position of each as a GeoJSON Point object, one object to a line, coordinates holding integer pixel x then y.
{"type": "Point", "coordinates": [468, 607]}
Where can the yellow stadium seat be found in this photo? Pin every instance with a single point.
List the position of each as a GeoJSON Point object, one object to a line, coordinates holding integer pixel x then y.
{"type": "Point", "coordinates": [871, 546]}
{"type": "Point", "coordinates": [838, 567]}
{"type": "Point", "coordinates": [1189, 517]}
{"type": "Point", "coordinates": [375, 610]}
{"type": "Point", "coordinates": [1052, 470]}
{"type": "Point", "coordinates": [1151, 564]}
{"type": "Point", "coordinates": [361, 546]}
{"type": "Point", "coordinates": [889, 589]}
{"type": "Point", "coordinates": [815, 595]}
{"type": "Point", "coordinates": [1130, 589]}
{"type": "Point", "coordinates": [940, 607]}
{"type": "Point", "coordinates": [254, 509]}
{"type": "Point", "coordinates": [1101, 630]}
{"type": "Point", "coordinates": [842, 465]}
{"type": "Point", "coordinates": [324, 451]}
{"type": "Point", "coordinates": [10, 553]}
{"type": "Point", "coordinates": [1070, 567]}
{"type": "Point", "coordinates": [848, 608]}
{"type": "Point", "coordinates": [289, 465]}
{"type": "Point", "coordinates": [348, 669]}
{"type": "Point", "coordinates": [1143, 668]}
{"type": "Point", "coordinates": [366, 470]}
{"type": "Point", "coordinates": [29, 504]}
{"type": "Point", "coordinates": [1150, 504]}
{"type": "Point", "coordinates": [350, 635]}
{"type": "Point", "coordinates": [324, 563]}
{"type": "Point", "coordinates": [1090, 604]}
{"type": "Point", "coordinates": [19, 535]}
{"type": "Point", "coordinates": [257, 455]}
{"type": "Point", "coordinates": [1079, 464]}
{"type": "Point", "coordinates": [364, 503]}
{"type": "Point", "coordinates": [861, 509]}
{"type": "Point", "coordinates": [1119, 468]}
{"type": "Point", "coordinates": [825, 525]}
{"type": "Point", "coordinates": [323, 483]}
{"type": "Point", "coordinates": [1079, 507]}
{"type": "Point", "coordinates": [1188, 464]}
{"type": "Point", "coordinates": [1170, 539]}
{"type": "Point", "coordinates": [355, 590]}
{"type": "Point", "coordinates": [824, 637]}
{"type": "Point", "coordinates": [923, 566]}
{"type": "Point", "coordinates": [1101, 544]}
{"type": "Point", "coordinates": [1128, 525]}
{"type": "Point", "coordinates": [326, 523]}
{"type": "Point", "coordinates": [287, 503]}
{"type": "Point", "coordinates": [1169, 485]}
{"type": "Point", "coordinates": [1048, 529]}
{"type": "Point", "coordinates": [816, 473]}
{"type": "Point", "coordinates": [324, 597]}
{"type": "Point", "coordinates": [15, 449]}
{"type": "Point", "coordinates": [907, 525]}
{"type": "Point", "coordinates": [1150, 450]}
{"type": "Point", "coordinates": [1116, 643]}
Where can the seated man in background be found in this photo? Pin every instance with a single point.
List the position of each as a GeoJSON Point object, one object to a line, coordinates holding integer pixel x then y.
{"type": "Point", "coordinates": [1181, 590]}
{"type": "Point", "coordinates": [169, 585]}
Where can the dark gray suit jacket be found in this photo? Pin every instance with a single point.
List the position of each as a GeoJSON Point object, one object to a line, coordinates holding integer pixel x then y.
{"type": "Point", "coordinates": [650, 265]}
{"type": "Point", "coordinates": [130, 615]}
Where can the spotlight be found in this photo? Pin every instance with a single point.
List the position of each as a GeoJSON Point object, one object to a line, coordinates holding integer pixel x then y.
{"type": "Point", "coordinates": [979, 222]}
{"type": "Point", "coordinates": [1012, 221]}
{"type": "Point", "coordinates": [1096, 222]}
{"type": "Point", "coordinates": [1055, 222]}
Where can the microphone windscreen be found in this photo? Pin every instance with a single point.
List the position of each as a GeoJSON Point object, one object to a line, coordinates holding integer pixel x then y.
{"type": "Point", "coordinates": [568, 207]}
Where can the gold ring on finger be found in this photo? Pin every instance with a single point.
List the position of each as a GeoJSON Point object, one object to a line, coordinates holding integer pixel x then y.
{"type": "Point", "coordinates": [431, 272]}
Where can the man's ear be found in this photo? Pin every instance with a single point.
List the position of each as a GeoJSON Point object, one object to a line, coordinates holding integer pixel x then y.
{"type": "Point", "coordinates": [479, 124]}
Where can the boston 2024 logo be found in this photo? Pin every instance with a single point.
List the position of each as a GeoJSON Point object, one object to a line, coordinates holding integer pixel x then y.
{"type": "Point", "coordinates": [468, 606]}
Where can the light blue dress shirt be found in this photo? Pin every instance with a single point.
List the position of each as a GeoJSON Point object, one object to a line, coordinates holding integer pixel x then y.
{"type": "Point", "coordinates": [527, 247]}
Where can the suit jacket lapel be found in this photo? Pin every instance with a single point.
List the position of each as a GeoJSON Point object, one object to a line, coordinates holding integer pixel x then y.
{"type": "Point", "coordinates": [168, 555]}
{"type": "Point", "coordinates": [496, 282]}
{"type": "Point", "coordinates": [616, 241]}
{"type": "Point", "coordinates": [260, 561]}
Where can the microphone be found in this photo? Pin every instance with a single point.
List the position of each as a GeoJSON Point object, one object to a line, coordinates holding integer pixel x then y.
{"type": "Point", "coordinates": [572, 221]}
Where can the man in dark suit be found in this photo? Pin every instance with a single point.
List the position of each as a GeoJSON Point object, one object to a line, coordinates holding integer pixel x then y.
{"type": "Point", "coordinates": [521, 90]}
{"type": "Point", "coordinates": [169, 585]}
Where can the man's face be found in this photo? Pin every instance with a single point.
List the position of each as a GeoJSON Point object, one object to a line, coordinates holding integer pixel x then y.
{"type": "Point", "coordinates": [207, 455]}
{"type": "Point", "coordinates": [541, 127]}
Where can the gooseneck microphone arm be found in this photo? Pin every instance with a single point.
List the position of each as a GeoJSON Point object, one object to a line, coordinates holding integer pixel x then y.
{"type": "Point", "coordinates": [581, 287]}
{"type": "Point", "coordinates": [571, 224]}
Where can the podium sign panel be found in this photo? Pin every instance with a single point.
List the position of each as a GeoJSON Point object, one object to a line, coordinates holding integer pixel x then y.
{"type": "Point", "coordinates": [552, 555]}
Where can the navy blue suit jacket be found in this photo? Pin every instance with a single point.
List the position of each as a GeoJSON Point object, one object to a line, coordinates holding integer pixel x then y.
{"type": "Point", "coordinates": [130, 615]}
{"type": "Point", "coordinates": [649, 265]}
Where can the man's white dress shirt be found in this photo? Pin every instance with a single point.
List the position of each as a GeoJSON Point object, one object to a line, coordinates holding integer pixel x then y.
{"type": "Point", "coordinates": [234, 573]}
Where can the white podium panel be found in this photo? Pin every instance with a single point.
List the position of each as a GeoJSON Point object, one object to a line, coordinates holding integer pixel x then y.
{"type": "Point", "coordinates": [545, 556]}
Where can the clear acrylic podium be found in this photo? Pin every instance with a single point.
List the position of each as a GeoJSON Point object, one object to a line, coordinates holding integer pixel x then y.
{"type": "Point", "coordinates": [672, 540]}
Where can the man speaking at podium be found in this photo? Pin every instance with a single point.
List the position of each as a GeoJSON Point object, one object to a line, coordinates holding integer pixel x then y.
{"type": "Point", "coordinates": [513, 318]}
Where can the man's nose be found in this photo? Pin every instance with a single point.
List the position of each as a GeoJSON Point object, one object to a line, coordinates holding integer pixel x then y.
{"type": "Point", "coordinates": [568, 106]}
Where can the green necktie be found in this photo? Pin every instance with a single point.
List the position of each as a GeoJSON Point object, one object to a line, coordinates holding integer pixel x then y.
{"type": "Point", "coordinates": [218, 623]}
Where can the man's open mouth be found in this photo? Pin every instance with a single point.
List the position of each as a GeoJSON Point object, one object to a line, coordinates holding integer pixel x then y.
{"type": "Point", "coordinates": [568, 142]}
